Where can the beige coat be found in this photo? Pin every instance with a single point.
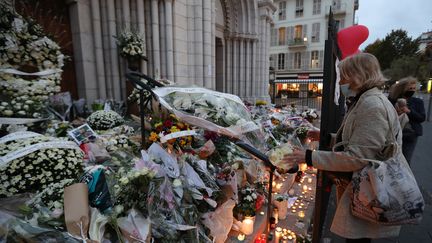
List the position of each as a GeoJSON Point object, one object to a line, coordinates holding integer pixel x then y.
{"type": "Point", "coordinates": [366, 130]}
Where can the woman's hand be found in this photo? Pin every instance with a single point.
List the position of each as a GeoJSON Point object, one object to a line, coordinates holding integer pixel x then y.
{"type": "Point", "coordinates": [295, 158]}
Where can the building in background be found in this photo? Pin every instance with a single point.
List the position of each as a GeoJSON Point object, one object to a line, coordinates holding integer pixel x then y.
{"type": "Point", "coordinates": [218, 44]}
{"type": "Point", "coordinates": [297, 47]}
{"type": "Point", "coordinates": [425, 41]}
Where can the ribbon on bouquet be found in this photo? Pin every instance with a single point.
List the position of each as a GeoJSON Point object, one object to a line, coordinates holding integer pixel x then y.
{"type": "Point", "coordinates": [40, 73]}
{"type": "Point", "coordinates": [167, 137]}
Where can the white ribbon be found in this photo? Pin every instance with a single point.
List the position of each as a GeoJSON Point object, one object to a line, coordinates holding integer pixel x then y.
{"type": "Point", "coordinates": [18, 135]}
{"type": "Point", "coordinates": [167, 137]}
{"type": "Point", "coordinates": [8, 121]}
{"type": "Point", "coordinates": [32, 148]}
{"type": "Point", "coordinates": [41, 73]}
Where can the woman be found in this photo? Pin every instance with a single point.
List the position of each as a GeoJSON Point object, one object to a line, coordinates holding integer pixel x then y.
{"type": "Point", "coordinates": [364, 133]}
{"type": "Point", "coordinates": [414, 109]}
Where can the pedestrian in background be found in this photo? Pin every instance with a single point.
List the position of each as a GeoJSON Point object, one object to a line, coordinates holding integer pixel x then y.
{"type": "Point", "coordinates": [364, 134]}
{"type": "Point", "coordinates": [414, 109]}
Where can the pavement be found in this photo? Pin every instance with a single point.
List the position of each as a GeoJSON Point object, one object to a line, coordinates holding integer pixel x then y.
{"type": "Point", "coordinates": [421, 165]}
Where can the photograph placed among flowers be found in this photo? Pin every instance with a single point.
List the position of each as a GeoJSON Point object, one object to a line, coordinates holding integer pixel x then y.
{"type": "Point", "coordinates": [50, 161]}
{"type": "Point", "coordinates": [104, 120]}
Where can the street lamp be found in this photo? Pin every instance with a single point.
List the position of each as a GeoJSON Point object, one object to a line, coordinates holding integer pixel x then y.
{"type": "Point", "coordinates": [272, 84]}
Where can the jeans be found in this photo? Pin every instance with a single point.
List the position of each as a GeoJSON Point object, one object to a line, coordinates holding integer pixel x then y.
{"type": "Point", "coordinates": [408, 146]}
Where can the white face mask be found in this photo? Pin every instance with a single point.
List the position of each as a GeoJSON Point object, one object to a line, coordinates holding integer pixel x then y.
{"type": "Point", "coordinates": [346, 91]}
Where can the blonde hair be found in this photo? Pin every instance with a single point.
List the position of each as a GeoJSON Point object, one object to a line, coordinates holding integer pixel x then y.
{"type": "Point", "coordinates": [398, 89]}
{"type": "Point", "coordinates": [363, 70]}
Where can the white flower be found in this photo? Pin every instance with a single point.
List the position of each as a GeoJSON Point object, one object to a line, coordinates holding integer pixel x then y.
{"type": "Point", "coordinates": [249, 198]}
{"type": "Point", "coordinates": [177, 183]}
{"type": "Point", "coordinates": [8, 113]}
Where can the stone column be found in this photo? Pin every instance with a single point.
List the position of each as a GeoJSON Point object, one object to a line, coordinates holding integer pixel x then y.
{"type": "Point", "coordinates": [98, 49]}
{"type": "Point", "coordinates": [162, 40]}
{"type": "Point", "coordinates": [199, 51]}
{"type": "Point", "coordinates": [235, 70]}
{"type": "Point", "coordinates": [106, 49]}
{"type": "Point", "coordinates": [253, 70]}
{"type": "Point", "coordinates": [228, 62]}
{"type": "Point", "coordinates": [155, 33]}
{"type": "Point", "coordinates": [169, 39]}
{"type": "Point", "coordinates": [80, 15]}
{"type": "Point", "coordinates": [248, 69]}
{"type": "Point", "coordinates": [241, 81]}
{"type": "Point", "coordinates": [142, 30]}
{"type": "Point", "coordinates": [207, 44]}
{"type": "Point", "coordinates": [267, 62]}
{"type": "Point", "coordinates": [113, 51]}
{"type": "Point", "coordinates": [126, 14]}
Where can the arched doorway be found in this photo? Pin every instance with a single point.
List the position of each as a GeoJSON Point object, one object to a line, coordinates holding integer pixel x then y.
{"type": "Point", "coordinates": [219, 45]}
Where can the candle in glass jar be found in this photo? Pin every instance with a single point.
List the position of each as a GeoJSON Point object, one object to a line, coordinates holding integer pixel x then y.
{"type": "Point", "coordinates": [241, 237]}
{"type": "Point", "coordinates": [305, 188]}
{"type": "Point", "coordinates": [278, 234]}
{"type": "Point", "coordinates": [291, 192]}
{"type": "Point", "coordinates": [303, 167]}
{"type": "Point", "coordinates": [309, 180]}
{"type": "Point", "coordinates": [301, 214]}
{"type": "Point", "coordinates": [310, 188]}
{"type": "Point", "coordinates": [247, 226]}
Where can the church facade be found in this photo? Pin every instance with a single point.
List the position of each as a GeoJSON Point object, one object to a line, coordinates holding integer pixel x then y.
{"type": "Point", "coordinates": [217, 44]}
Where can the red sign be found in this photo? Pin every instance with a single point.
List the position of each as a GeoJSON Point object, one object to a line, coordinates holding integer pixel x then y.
{"type": "Point", "coordinates": [302, 76]}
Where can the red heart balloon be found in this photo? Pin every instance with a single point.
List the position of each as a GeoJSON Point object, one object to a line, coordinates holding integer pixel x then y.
{"type": "Point", "coordinates": [350, 39]}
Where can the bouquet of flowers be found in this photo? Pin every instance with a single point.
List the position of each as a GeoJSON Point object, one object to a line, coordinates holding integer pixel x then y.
{"type": "Point", "coordinates": [214, 111]}
{"type": "Point", "coordinates": [30, 66]}
{"type": "Point", "coordinates": [104, 119]}
{"type": "Point", "coordinates": [130, 44]}
{"type": "Point", "coordinates": [276, 155]}
{"type": "Point", "coordinates": [172, 131]}
{"type": "Point", "coordinates": [131, 189]}
{"type": "Point", "coordinates": [31, 162]}
{"type": "Point", "coordinates": [246, 206]}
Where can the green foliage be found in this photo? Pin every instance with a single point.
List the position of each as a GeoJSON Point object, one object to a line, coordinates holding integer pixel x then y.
{"type": "Point", "coordinates": [395, 45]}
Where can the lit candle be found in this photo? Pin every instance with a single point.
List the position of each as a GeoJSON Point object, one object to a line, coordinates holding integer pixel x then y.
{"type": "Point", "coordinates": [301, 214]}
{"type": "Point", "coordinates": [301, 204]}
{"type": "Point", "coordinates": [303, 192]}
{"type": "Point", "coordinates": [293, 207]}
{"type": "Point", "coordinates": [293, 211]}
{"type": "Point", "coordinates": [262, 213]}
{"type": "Point", "coordinates": [285, 239]}
{"type": "Point", "coordinates": [247, 226]}
{"type": "Point", "coordinates": [274, 184]}
{"type": "Point", "coordinates": [303, 166]}
{"type": "Point", "coordinates": [310, 188]}
{"type": "Point", "coordinates": [278, 187]}
{"type": "Point", "coordinates": [300, 207]}
{"type": "Point", "coordinates": [309, 180]}
{"type": "Point", "coordinates": [290, 238]}
{"type": "Point", "coordinates": [241, 237]}
{"type": "Point", "coordinates": [305, 188]}
{"type": "Point", "coordinates": [291, 192]}
{"type": "Point", "coordinates": [278, 234]}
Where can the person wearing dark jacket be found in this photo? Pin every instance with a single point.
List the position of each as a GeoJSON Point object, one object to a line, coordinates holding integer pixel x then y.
{"type": "Point", "coordinates": [405, 89]}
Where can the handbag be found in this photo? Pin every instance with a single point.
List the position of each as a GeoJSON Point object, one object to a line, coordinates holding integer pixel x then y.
{"type": "Point", "coordinates": [386, 192]}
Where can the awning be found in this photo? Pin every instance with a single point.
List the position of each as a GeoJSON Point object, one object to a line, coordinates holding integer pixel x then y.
{"type": "Point", "coordinates": [298, 81]}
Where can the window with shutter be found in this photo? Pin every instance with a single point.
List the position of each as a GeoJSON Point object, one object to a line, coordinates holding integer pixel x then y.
{"type": "Point", "coordinates": [282, 35]}
{"type": "Point", "coordinates": [281, 61]}
{"type": "Point", "coordinates": [297, 60]}
{"type": "Point", "coordinates": [316, 7]}
{"type": "Point", "coordinates": [273, 37]}
{"type": "Point", "coordinates": [282, 10]}
{"type": "Point", "coordinates": [299, 8]}
{"type": "Point", "coordinates": [315, 32]}
{"type": "Point", "coordinates": [315, 63]}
